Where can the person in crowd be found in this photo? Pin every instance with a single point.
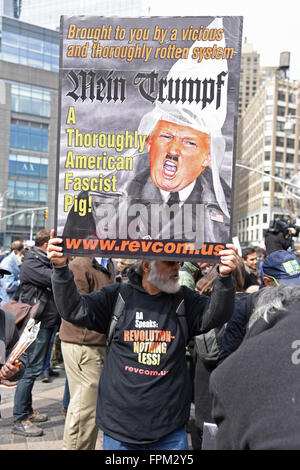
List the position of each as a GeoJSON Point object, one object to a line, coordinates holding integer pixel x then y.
{"type": "Point", "coordinates": [3, 254]}
{"type": "Point", "coordinates": [35, 284]}
{"type": "Point", "coordinates": [261, 256]}
{"type": "Point", "coordinates": [190, 273]}
{"type": "Point", "coordinates": [280, 235]}
{"type": "Point", "coordinates": [204, 368]}
{"type": "Point", "coordinates": [122, 267]}
{"type": "Point", "coordinates": [9, 373]}
{"type": "Point", "coordinates": [84, 353]}
{"type": "Point", "coordinates": [10, 282]}
{"type": "Point", "coordinates": [145, 378]}
{"type": "Point", "coordinates": [252, 277]}
{"type": "Point", "coordinates": [48, 372]}
{"type": "Point", "coordinates": [256, 390]}
{"type": "Point", "coordinates": [279, 268]}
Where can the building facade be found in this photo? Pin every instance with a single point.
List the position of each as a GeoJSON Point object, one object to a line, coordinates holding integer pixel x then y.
{"type": "Point", "coordinates": [29, 66]}
{"type": "Point", "coordinates": [250, 78]}
{"type": "Point", "coordinates": [28, 110]}
{"type": "Point", "coordinates": [46, 13]}
{"type": "Point", "coordinates": [270, 156]}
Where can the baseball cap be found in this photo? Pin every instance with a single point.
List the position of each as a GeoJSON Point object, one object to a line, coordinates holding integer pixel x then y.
{"type": "Point", "coordinates": [283, 267]}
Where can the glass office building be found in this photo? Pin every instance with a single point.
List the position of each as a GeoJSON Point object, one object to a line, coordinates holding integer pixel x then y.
{"type": "Point", "coordinates": [29, 65]}
{"type": "Point", "coordinates": [23, 44]}
{"type": "Point", "coordinates": [47, 13]}
{"type": "Point", "coordinates": [29, 58]}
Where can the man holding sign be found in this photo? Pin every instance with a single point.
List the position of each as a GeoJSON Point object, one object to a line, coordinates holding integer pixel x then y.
{"type": "Point", "coordinates": [145, 392]}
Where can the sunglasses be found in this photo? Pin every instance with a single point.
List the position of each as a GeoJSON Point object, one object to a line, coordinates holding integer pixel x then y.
{"type": "Point", "coordinates": [171, 263]}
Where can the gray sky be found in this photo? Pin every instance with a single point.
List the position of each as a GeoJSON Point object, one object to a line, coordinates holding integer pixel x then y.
{"type": "Point", "coordinates": [272, 27]}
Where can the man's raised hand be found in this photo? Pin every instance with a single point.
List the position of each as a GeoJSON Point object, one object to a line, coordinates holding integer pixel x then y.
{"type": "Point", "coordinates": [54, 251]}
{"type": "Point", "coordinates": [229, 259]}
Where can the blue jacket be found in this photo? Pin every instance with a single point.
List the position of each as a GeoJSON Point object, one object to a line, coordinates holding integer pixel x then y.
{"type": "Point", "coordinates": [10, 282]}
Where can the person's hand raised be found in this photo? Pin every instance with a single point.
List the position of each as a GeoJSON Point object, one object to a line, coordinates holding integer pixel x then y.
{"type": "Point", "coordinates": [229, 259]}
{"type": "Point", "coordinates": [54, 251]}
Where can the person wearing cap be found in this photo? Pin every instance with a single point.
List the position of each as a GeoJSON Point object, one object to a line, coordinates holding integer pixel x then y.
{"type": "Point", "coordinates": [10, 282]}
{"type": "Point", "coordinates": [256, 390]}
{"type": "Point", "coordinates": [279, 268]}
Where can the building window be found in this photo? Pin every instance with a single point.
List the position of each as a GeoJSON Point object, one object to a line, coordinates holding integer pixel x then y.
{"type": "Point", "coordinates": [266, 185]}
{"type": "Point", "coordinates": [27, 166]}
{"type": "Point", "coordinates": [292, 98]}
{"type": "Point", "coordinates": [280, 126]}
{"type": "Point", "coordinates": [289, 158]}
{"type": "Point", "coordinates": [290, 143]}
{"type": "Point", "coordinates": [268, 140]}
{"type": "Point", "coordinates": [279, 157]}
{"type": "Point", "coordinates": [278, 187]}
{"type": "Point", "coordinates": [267, 155]}
{"type": "Point", "coordinates": [279, 141]}
{"type": "Point", "coordinates": [265, 218]}
{"type": "Point", "coordinates": [280, 111]}
{"type": "Point", "coordinates": [22, 221]}
{"type": "Point", "coordinates": [281, 95]}
{"type": "Point", "coordinates": [21, 47]}
{"type": "Point", "coordinates": [269, 109]}
{"type": "Point", "coordinates": [278, 171]}
{"type": "Point", "coordinates": [289, 173]}
{"type": "Point", "coordinates": [29, 135]}
{"type": "Point", "coordinates": [30, 100]}
{"type": "Point", "coordinates": [27, 191]}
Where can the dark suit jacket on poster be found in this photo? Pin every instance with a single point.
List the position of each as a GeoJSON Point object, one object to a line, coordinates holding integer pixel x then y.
{"type": "Point", "coordinates": [213, 226]}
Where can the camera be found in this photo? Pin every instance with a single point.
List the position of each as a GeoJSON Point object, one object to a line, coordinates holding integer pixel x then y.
{"type": "Point", "coordinates": [284, 225]}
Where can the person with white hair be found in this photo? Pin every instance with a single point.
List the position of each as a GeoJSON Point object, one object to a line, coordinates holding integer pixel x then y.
{"type": "Point", "coordinates": [144, 392]}
{"type": "Point", "coordinates": [256, 390]}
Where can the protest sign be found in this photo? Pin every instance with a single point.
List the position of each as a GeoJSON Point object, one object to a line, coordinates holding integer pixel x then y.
{"type": "Point", "coordinates": [148, 110]}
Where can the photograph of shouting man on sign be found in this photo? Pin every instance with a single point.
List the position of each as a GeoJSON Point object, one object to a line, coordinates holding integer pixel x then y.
{"type": "Point", "coordinates": [173, 185]}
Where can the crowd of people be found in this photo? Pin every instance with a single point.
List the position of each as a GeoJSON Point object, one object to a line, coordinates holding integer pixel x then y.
{"type": "Point", "coordinates": [135, 377]}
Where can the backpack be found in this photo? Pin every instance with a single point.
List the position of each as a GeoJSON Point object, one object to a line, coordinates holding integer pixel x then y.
{"type": "Point", "coordinates": [208, 345]}
{"type": "Point", "coordinates": [124, 292]}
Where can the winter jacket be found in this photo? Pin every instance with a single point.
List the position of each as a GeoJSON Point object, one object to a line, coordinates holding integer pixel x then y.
{"type": "Point", "coordinates": [35, 279]}
{"type": "Point", "coordinates": [236, 327]}
{"type": "Point", "coordinates": [145, 390]}
{"type": "Point", "coordinates": [89, 276]}
{"type": "Point", "coordinates": [187, 275]}
{"type": "Point", "coordinates": [9, 336]}
{"type": "Point", "coordinates": [275, 241]}
{"type": "Point", "coordinates": [10, 282]}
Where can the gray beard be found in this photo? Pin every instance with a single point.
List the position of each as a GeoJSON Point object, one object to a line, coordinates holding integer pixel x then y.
{"type": "Point", "coordinates": [169, 286]}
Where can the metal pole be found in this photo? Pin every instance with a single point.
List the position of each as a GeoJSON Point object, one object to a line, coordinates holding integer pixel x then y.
{"type": "Point", "coordinates": [31, 225]}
